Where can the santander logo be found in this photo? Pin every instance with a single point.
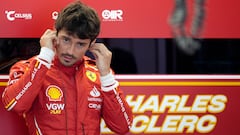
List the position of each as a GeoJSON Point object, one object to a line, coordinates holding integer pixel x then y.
{"type": "Point", "coordinates": [94, 92]}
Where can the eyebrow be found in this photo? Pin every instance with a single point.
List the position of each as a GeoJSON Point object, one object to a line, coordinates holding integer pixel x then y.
{"type": "Point", "coordinates": [70, 37]}
{"type": "Point", "coordinates": [64, 36]}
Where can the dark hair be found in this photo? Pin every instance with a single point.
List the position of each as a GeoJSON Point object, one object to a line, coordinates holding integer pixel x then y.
{"type": "Point", "coordinates": [79, 19]}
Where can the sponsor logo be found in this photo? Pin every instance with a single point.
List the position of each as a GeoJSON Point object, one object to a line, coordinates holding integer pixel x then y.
{"type": "Point", "coordinates": [55, 108]}
{"type": "Point", "coordinates": [54, 15]}
{"type": "Point", "coordinates": [16, 74]}
{"type": "Point", "coordinates": [34, 73]}
{"type": "Point", "coordinates": [12, 81]}
{"type": "Point", "coordinates": [16, 77]}
{"type": "Point", "coordinates": [94, 106]}
{"type": "Point", "coordinates": [23, 91]}
{"type": "Point", "coordinates": [94, 92]}
{"type": "Point", "coordinates": [112, 15]}
{"type": "Point", "coordinates": [12, 15]}
{"type": "Point", "coordinates": [95, 99]}
{"type": "Point", "coordinates": [54, 93]}
{"type": "Point", "coordinates": [91, 75]}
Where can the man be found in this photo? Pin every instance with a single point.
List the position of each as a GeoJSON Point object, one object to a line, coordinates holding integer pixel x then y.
{"type": "Point", "coordinates": [67, 93]}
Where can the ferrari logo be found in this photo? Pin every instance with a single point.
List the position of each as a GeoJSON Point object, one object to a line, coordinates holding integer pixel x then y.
{"type": "Point", "coordinates": [91, 76]}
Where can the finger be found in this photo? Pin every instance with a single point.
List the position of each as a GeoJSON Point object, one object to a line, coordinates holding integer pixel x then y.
{"type": "Point", "coordinates": [48, 39]}
{"type": "Point", "coordinates": [95, 48]}
{"type": "Point", "coordinates": [100, 47]}
{"type": "Point", "coordinates": [48, 32]}
{"type": "Point", "coordinates": [96, 53]}
{"type": "Point", "coordinates": [97, 45]}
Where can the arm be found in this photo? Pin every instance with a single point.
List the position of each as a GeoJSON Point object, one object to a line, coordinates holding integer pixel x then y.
{"type": "Point", "coordinates": [25, 81]}
{"type": "Point", "coordinates": [116, 112]}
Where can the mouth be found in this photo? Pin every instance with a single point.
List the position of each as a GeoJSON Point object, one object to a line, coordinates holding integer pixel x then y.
{"type": "Point", "coordinates": [68, 58]}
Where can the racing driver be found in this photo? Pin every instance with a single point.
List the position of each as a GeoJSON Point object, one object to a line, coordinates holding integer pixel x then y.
{"type": "Point", "coordinates": [61, 91]}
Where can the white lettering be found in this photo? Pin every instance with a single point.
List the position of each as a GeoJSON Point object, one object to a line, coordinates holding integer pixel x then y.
{"type": "Point", "coordinates": [211, 121]}
{"type": "Point", "coordinates": [95, 99]}
{"type": "Point", "coordinates": [25, 88]}
{"type": "Point", "coordinates": [54, 106]}
{"type": "Point", "coordinates": [54, 15]}
{"type": "Point", "coordinates": [123, 110]}
{"type": "Point", "coordinates": [112, 15]}
{"type": "Point", "coordinates": [218, 104]}
{"type": "Point", "coordinates": [34, 73]}
{"type": "Point", "coordinates": [94, 106]}
{"type": "Point", "coordinates": [12, 15]}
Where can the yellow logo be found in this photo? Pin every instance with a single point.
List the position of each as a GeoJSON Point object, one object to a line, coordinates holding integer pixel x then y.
{"type": "Point", "coordinates": [91, 76]}
{"type": "Point", "coordinates": [54, 93]}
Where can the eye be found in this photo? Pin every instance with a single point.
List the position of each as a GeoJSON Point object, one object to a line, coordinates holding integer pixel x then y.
{"type": "Point", "coordinates": [80, 45]}
{"type": "Point", "coordinates": [65, 40]}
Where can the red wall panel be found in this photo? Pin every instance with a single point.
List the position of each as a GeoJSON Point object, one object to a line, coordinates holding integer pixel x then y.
{"type": "Point", "coordinates": [128, 19]}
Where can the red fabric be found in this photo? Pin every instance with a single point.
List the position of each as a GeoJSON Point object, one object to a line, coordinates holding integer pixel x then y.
{"type": "Point", "coordinates": [64, 100]}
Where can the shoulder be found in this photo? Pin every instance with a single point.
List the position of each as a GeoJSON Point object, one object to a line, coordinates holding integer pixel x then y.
{"type": "Point", "coordinates": [91, 71]}
{"type": "Point", "coordinates": [22, 65]}
{"type": "Point", "coordinates": [90, 64]}
{"type": "Point", "coordinates": [18, 69]}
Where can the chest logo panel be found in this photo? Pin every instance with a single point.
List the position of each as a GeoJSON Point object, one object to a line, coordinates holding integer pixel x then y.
{"type": "Point", "coordinates": [91, 75]}
{"type": "Point", "coordinates": [54, 93]}
{"type": "Point", "coordinates": [94, 92]}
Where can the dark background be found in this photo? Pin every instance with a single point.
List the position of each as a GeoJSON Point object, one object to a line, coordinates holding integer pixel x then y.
{"type": "Point", "coordinates": [144, 56]}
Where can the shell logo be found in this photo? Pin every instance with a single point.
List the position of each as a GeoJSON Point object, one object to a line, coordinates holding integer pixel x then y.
{"type": "Point", "coordinates": [54, 93]}
{"type": "Point", "coordinates": [91, 75]}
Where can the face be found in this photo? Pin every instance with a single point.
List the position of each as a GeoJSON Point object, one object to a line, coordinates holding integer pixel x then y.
{"type": "Point", "coordinates": [71, 49]}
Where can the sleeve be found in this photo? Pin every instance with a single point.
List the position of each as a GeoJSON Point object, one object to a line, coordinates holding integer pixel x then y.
{"type": "Point", "coordinates": [25, 80]}
{"type": "Point", "coordinates": [115, 107]}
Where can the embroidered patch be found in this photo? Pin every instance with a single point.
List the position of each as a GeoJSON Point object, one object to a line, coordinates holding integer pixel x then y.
{"type": "Point", "coordinates": [91, 75]}
{"type": "Point", "coordinates": [55, 108]}
{"type": "Point", "coordinates": [94, 92]}
{"type": "Point", "coordinates": [54, 93]}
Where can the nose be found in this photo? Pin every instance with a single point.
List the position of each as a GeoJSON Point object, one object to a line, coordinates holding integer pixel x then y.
{"type": "Point", "coordinates": [70, 49]}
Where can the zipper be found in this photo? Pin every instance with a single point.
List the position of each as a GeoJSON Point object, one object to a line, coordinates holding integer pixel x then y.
{"type": "Point", "coordinates": [65, 102]}
{"type": "Point", "coordinates": [83, 131]}
{"type": "Point", "coordinates": [66, 121]}
{"type": "Point", "coordinates": [76, 105]}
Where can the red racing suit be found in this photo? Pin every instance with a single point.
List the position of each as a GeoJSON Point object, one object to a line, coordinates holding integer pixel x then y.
{"type": "Point", "coordinates": [65, 100]}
